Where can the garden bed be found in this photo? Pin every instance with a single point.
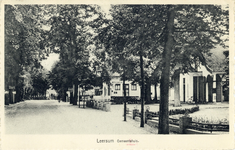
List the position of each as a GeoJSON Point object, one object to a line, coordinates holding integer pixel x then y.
{"type": "Point", "coordinates": [209, 115]}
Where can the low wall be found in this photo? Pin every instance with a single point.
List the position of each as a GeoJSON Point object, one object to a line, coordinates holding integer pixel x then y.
{"type": "Point", "coordinates": [175, 128]}
{"type": "Point", "coordinates": [172, 128]}
{"type": "Point", "coordinates": [105, 106]}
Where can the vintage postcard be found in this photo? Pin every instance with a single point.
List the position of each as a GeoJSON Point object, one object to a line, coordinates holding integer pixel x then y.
{"type": "Point", "coordinates": [117, 74]}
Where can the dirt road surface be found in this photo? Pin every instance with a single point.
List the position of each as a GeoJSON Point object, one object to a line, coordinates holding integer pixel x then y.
{"type": "Point", "coordinates": [51, 117]}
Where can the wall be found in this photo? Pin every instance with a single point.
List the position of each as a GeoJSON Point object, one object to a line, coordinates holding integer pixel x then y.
{"type": "Point", "coordinates": [189, 85]}
{"type": "Point", "coordinates": [116, 80]}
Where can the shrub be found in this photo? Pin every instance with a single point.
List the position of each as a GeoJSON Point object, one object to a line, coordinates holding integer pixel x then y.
{"type": "Point", "coordinates": [180, 111]}
{"type": "Point", "coordinates": [183, 111]}
{"type": "Point", "coordinates": [211, 120]}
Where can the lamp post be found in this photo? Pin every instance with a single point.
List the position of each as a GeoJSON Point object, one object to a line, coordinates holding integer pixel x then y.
{"type": "Point", "coordinates": [79, 96]}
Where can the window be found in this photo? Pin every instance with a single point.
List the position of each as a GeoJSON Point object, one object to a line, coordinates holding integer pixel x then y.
{"type": "Point", "coordinates": [133, 87]}
{"type": "Point", "coordinates": [117, 86]}
{"type": "Point", "coordinates": [98, 92]}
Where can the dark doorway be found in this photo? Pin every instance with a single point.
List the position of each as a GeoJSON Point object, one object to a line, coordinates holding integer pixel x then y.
{"type": "Point", "coordinates": [195, 87]}
{"type": "Point", "coordinates": [210, 88]}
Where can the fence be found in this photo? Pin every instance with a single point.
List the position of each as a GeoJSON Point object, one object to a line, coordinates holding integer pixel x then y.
{"type": "Point", "coordinates": [102, 105]}
{"type": "Point", "coordinates": [174, 121]}
{"type": "Point", "coordinates": [183, 122]}
{"type": "Point", "coordinates": [208, 127]}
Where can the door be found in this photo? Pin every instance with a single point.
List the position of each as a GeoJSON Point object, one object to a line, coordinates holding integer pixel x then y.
{"type": "Point", "coordinates": [201, 89]}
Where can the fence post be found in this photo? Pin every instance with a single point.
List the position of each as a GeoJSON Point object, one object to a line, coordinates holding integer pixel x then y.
{"type": "Point", "coordinates": [146, 115]}
{"type": "Point", "coordinates": [6, 97]}
{"type": "Point", "coordinates": [184, 122]}
{"type": "Point", "coordinates": [135, 111]}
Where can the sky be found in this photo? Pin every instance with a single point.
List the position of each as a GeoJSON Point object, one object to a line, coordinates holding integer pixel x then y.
{"type": "Point", "coordinates": [51, 59]}
{"type": "Point", "coordinates": [105, 8]}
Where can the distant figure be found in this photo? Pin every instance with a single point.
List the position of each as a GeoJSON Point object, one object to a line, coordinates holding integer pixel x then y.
{"type": "Point", "coordinates": [58, 98]}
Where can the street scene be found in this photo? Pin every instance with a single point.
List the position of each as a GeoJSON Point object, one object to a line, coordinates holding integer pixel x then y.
{"type": "Point", "coordinates": [116, 69]}
{"type": "Point", "coordinates": [51, 117]}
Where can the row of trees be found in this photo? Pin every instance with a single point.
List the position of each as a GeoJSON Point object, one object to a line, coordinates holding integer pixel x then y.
{"type": "Point", "coordinates": [24, 50]}
{"type": "Point", "coordinates": [69, 36]}
{"type": "Point", "coordinates": [148, 44]}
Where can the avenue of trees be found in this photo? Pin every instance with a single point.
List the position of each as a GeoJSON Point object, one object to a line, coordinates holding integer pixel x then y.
{"type": "Point", "coordinates": [23, 51]}
{"type": "Point", "coordinates": [147, 44]}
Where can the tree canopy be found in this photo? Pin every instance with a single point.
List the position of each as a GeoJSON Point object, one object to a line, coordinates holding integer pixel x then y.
{"type": "Point", "coordinates": [23, 45]}
{"type": "Point", "coordinates": [177, 37]}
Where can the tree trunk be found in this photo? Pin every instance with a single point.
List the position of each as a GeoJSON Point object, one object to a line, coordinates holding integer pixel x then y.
{"type": "Point", "coordinates": [18, 89]}
{"type": "Point", "coordinates": [63, 94]}
{"type": "Point", "coordinates": [71, 98]}
{"type": "Point", "coordinates": [142, 91]}
{"type": "Point", "coordinates": [164, 101]}
{"type": "Point", "coordinates": [75, 97]}
{"type": "Point", "coordinates": [124, 92]}
{"type": "Point", "coordinates": [17, 95]}
{"type": "Point", "coordinates": [148, 91]}
{"type": "Point", "coordinates": [155, 92]}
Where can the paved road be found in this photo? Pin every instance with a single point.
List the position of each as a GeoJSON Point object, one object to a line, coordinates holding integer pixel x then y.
{"type": "Point", "coordinates": [51, 117]}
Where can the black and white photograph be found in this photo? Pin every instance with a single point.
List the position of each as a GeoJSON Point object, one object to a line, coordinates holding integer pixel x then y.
{"type": "Point", "coordinates": [121, 74]}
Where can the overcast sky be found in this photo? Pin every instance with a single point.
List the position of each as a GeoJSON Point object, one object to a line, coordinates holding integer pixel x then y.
{"type": "Point", "coordinates": [47, 63]}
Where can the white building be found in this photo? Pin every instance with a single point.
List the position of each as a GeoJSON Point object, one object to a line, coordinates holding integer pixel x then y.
{"type": "Point", "coordinates": [196, 87]}
{"type": "Point", "coordinates": [114, 90]}
{"type": "Point", "coordinates": [201, 86]}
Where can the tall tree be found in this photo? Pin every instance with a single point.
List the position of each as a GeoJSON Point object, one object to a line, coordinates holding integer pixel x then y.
{"type": "Point", "coordinates": [202, 27]}
{"type": "Point", "coordinates": [23, 34]}
{"type": "Point", "coordinates": [126, 32]}
{"type": "Point", "coordinates": [112, 37]}
{"type": "Point", "coordinates": [69, 36]}
{"type": "Point", "coordinates": [164, 114]}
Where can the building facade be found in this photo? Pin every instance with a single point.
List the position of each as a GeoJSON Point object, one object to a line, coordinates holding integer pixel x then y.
{"type": "Point", "coordinates": [202, 86]}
